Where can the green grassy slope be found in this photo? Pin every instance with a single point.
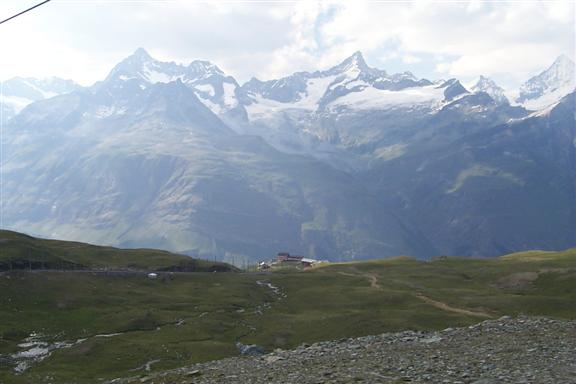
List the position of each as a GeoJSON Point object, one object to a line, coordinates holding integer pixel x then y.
{"type": "Point", "coordinates": [19, 251]}
{"type": "Point", "coordinates": [198, 317]}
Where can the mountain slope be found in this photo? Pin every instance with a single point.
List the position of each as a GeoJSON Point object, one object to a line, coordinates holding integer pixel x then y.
{"type": "Point", "coordinates": [494, 190]}
{"type": "Point", "coordinates": [154, 167]}
{"type": "Point", "coordinates": [23, 252]}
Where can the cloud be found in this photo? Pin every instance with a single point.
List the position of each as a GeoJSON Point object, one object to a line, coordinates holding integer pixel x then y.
{"type": "Point", "coordinates": [83, 40]}
{"type": "Point", "coordinates": [491, 38]}
{"type": "Point", "coordinates": [411, 59]}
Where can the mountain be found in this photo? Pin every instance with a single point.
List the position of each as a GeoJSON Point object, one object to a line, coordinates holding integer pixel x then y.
{"type": "Point", "coordinates": [301, 113]}
{"type": "Point", "coordinates": [323, 90]}
{"type": "Point", "coordinates": [153, 166]}
{"type": "Point", "coordinates": [18, 92]}
{"type": "Point", "coordinates": [344, 163]}
{"type": "Point", "coordinates": [314, 91]}
{"type": "Point", "coordinates": [212, 86]}
{"type": "Point", "coordinates": [549, 86]}
{"type": "Point", "coordinates": [485, 84]}
{"type": "Point", "coordinates": [500, 187]}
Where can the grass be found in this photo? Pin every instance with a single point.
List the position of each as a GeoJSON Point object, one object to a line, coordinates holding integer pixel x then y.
{"type": "Point", "coordinates": [19, 251]}
{"type": "Point", "coordinates": [72, 306]}
{"type": "Point", "coordinates": [329, 302]}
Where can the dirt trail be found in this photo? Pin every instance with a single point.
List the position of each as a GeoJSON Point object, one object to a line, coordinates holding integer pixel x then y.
{"type": "Point", "coordinates": [373, 279]}
{"type": "Point", "coordinates": [446, 307]}
{"type": "Point", "coordinates": [348, 274]}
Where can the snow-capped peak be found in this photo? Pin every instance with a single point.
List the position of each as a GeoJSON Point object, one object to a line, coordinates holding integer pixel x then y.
{"type": "Point", "coordinates": [141, 54]}
{"type": "Point", "coordinates": [136, 66]}
{"type": "Point", "coordinates": [487, 85]}
{"type": "Point", "coordinates": [134, 62]}
{"type": "Point", "coordinates": [549, 86]}
{"type": "Point", "coordinates": [564, 62]}
{"type": "Point", "coordinates": [355, 62]}
{"type": "Point", "coordinates": [140, 71]}
{"type": "Point", "coordinates": [356, 59]}
{"type": "Point", "coordinates": [560, 73]}
{"type": "Point", "coordinates": [145, 69]}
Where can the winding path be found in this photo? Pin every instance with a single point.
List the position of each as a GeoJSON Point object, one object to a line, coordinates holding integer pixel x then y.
{"type": "Point", "coordinates": [446, 307]}
{"type": "Point", "coordinates": [373, 279]}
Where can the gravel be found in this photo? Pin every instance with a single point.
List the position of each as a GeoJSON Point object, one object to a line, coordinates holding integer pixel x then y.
{"type": "Point", "coordinates": [507, 350]}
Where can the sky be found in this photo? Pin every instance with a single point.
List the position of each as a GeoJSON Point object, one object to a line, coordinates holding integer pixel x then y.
{"type": "Point", "coordinates": [82, 40]}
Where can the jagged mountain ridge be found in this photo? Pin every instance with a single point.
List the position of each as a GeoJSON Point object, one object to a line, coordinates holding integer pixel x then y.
{"type": "Point", "coordinates": [316, 90]}
{"type": "Point", "coordinates": [485, 84]}
{"type": "Point", "coordinates": [340, 164]}
{"type": "Point", "coordinates": [300, 113]}
{"type": "Point", "coordinates": [211, 84]}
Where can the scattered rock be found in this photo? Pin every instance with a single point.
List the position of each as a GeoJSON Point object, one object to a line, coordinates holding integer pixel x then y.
{"type": "Point", "coordinates": [530, 350]}
{"type": "Point", "coordinates": [250, 349]}
{"type": "Point", "coordinates": [272, 359]}
{"type": "Point", "coordinates": [432, 339]}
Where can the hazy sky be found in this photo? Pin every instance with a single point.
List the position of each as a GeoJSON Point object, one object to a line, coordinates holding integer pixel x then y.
{"type": "Point", "coordinates": [84, 39]}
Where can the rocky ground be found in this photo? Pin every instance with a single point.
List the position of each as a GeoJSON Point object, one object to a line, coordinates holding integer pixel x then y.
{"type": "Point", "coordinates": [507, 350]}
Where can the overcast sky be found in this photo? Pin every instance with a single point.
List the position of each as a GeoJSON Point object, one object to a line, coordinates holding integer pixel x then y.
{"type": "Point", "coordinates": [84, 39]}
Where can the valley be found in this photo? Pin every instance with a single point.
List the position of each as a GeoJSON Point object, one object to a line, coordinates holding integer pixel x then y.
{"type": "Point", "coordinates": [84, 327]}
{"type": "Point", "coordinates": [288, 192]}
